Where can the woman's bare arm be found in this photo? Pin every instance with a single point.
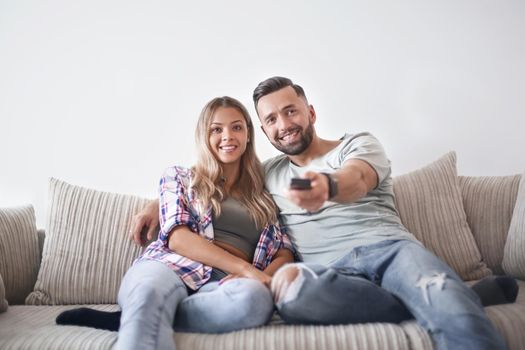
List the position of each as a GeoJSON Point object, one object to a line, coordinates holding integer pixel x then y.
{"type": "Point", "coordinates": [282, 257]}
{"type": "Point", "coordinates": [186, 243]}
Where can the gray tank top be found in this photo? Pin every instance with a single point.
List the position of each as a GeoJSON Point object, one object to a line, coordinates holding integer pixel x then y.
{"type": "Point", "coordinates": [236, 227]}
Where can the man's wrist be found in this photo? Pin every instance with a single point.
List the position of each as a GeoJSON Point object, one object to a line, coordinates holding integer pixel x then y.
{"type": "Point", "coordinates": [332, 186]}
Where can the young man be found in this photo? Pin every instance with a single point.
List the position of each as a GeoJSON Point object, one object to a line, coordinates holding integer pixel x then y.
{"type": "Point", "coordinates": [346, 226]}
{"type": "Point", "coordinates": [357, 257]}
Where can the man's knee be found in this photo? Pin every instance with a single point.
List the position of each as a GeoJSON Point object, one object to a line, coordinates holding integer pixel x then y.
{"type": "Point", "coordinates": [328, 296]}
{"type": "Point", "coordinates": [288, 281]}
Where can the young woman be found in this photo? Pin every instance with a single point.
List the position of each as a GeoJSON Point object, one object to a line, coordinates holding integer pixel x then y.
{"type": "Point", "coordinates": [218, 246]}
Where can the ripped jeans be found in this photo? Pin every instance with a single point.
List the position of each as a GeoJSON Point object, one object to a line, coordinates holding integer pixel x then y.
{"type": "Point", "coordinates": [367, 284]}
{"type": "Point", "coordinates": [151, 294]}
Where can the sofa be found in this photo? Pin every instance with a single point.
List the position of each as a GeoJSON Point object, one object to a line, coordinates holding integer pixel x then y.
{"type": "Point", "coordinates": [475, 224]}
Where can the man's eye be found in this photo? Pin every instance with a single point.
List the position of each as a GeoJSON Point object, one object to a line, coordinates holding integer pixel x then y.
{"type": "Point", "coordinates": [291, 111]}
{"type": "Point", "coordinates": [270, 120]}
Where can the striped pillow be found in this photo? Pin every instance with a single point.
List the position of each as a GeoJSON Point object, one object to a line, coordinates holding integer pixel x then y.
{"type": "Point", "coordinates": [489, 201]}
{"type": "Point", "coordinates": [86, 251]}
{"type": "Point", "coordinates": [514, 255]}
{"type": "Point", "coordinates": [431, 207]}
{"type": "Point", "coordinates": [19, 253]}
{"type": "Point", "coordinates": [3, 302]}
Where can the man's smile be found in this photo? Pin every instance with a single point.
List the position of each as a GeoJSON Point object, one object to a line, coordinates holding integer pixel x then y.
{"type": "Point", "coordinates": [290, 135]}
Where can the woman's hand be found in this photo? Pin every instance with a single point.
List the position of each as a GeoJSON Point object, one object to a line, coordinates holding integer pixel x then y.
{"type": "Point", "coordinates": [147, 218]}
{"type": "Point", "coordinates": [249, 271]}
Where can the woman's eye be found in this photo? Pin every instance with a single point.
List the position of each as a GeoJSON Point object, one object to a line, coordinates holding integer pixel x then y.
{"type": "Point", "coordinates": [237, 127]}
{"type": "Point", "coordinates": [216, 130]}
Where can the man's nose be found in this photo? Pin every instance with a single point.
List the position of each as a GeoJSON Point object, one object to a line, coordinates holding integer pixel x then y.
{"type": "Point", "coordinates": [282, 122]}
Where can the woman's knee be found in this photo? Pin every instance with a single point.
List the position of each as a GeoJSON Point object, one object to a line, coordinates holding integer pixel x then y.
{"type": "Point", "coordinates": [253, 301]}
{"type": "Point", "coordinates": [148, 293]}
{"type": "Point", "coordinates": [143, 294]}
{"type": "Point", "coordinates": [246, 291]}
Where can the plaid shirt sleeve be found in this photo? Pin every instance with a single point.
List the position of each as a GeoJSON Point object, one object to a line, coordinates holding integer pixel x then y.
{"type": "Point", "coordinates": [174, 211]}
{"type": "Point", "coordinates": [286, 242]}
{"type": "Point", "coordinates": [271, 240]}
{"type": "Point", "coordinates": [173, 203]}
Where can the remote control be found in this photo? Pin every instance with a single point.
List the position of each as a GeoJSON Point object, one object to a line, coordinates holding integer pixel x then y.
{"type": "Point", "coordinates": [300, 184]}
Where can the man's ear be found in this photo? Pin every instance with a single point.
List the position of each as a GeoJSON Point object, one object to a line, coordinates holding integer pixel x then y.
{"type": "Point", "coordinates": [311, 111]}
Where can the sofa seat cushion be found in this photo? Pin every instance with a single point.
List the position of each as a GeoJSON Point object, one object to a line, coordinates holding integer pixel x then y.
{"type": "Point", "coordinates": [286, 337]}
{"type": "Point", "coordinates": [509, 319]}
{"type": "Point", "coordinates": [33, 327]}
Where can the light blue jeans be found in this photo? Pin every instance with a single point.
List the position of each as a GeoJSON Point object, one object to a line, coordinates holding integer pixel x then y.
{"type": "Point", "coordinates": [151, 294]}
{"type": "Point", "coordinates": [365, 284]}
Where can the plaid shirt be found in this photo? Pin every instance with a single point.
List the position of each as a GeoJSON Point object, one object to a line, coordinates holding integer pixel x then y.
{"type": "Point", "coordinates": [178, 207]}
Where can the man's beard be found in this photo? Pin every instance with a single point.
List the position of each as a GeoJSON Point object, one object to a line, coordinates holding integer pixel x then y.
{"type": "Point", "coordinates": [299, 146]}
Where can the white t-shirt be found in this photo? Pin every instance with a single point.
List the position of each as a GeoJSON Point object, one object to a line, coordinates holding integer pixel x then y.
{"type": "Point", "coordinates": [325, 236]}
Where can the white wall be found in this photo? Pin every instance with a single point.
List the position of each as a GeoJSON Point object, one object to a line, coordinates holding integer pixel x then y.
{"type": "Point", "coordinates": [105, 94]}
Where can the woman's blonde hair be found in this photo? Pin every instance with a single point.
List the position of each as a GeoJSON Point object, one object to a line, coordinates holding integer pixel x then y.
{"type": "Point", "coordinates": [208, 173]}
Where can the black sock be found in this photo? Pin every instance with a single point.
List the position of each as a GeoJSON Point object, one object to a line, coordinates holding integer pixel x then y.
{"type": "Point", "coordinates": [90, 318]}
{"type": "Point", "coordinates": [494, 290]}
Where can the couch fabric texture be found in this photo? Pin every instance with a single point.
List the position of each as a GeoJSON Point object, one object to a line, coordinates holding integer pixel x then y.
{"type": "Point", "coordinates": [514, 255]}
{"type": "Point", "coordinates": [441, 224]}
{"type": "Point", "coordinates": [3, 301]}
{"type": "Point", "coordinates": [464, 220]}
{"type": "Point", "coordinates": [85, 252]}
{"type": "Point", "coordinates": [489, 203]}
{"type": "Point", "coordinates": [19, 253]}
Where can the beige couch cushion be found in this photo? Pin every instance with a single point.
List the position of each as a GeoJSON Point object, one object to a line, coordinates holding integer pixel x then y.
{"type": "Point", "coordinates": [28, 327]}
{"type": "Point", "coordinates": [431, 207]}
{"type": "Point", "coordinates": [3, 302]}
{"type": "Point", "coordinates": [33, 327]}
{"type": "Point", "coordinates": [19, 254]}
{"type": "Point", "coordinates": [509, 320]}
{"type": "Point", "coordinates": [514, 255]}
{"type": "Point", "coordinates": [86, 251]}
{"type": "Point", "coordinates": [489, 202]}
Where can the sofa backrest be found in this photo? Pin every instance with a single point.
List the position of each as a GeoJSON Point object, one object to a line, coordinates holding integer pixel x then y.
{"type": "Point", "coordinates": [488, 204]}
{"type": "Point", "coordinates": [488, 201]}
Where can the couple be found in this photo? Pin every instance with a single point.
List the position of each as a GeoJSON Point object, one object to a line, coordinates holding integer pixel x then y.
{"type": "Point", "coordinates": [220, 243]}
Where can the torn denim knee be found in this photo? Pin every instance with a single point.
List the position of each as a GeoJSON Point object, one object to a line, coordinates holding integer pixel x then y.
{"type": "Point", "coordinates": [425, 282]}
{"type": "Point", "coordinates": [285, 290]}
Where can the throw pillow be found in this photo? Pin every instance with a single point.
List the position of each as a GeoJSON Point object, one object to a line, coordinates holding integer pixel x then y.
{"type": "Point", "coordinates": [488, 202]}
{"type": "Point", "coordinates": [431, 207]}
{"type": "Point", "coordinates": [3, 302]}
{"type": "Point", "coordinates": [87, 250]}
{"type": "Point", "coordinates": [19, 253]}
{"type": "Point", "coordinates": [514, 254]}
